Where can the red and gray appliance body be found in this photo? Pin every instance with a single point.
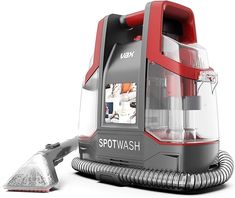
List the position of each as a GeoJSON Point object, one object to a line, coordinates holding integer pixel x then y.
{"type": "Point", "coordinates": [149, 101]}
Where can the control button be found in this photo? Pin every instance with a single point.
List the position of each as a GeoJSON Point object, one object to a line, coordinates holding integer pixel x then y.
{"type": "Point", "coordinates": [52, 146]}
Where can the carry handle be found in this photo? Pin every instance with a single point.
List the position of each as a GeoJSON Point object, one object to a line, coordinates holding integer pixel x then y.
{"type": "Point", "coordinates": [132, 20]}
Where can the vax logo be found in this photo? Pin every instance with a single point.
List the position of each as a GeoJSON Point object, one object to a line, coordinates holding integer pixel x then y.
{"type": "Point", "coordinates": [127, 55]}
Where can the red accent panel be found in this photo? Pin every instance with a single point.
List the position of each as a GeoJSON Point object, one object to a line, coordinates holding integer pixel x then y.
{"type": "Point", "coordinates": [184, 15]}
{"type": "Point", "coordinates": [90, 138]}
{"type": "Point", "coordinates": [96, 60]}
{"type": "Point", "coordinates": [176, 143]}
{"type": "Point", "coordinates": [135, 19]}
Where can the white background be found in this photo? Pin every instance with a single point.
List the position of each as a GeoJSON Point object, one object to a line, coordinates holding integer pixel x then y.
{"type": "Point", "coordinates": [45, 48]}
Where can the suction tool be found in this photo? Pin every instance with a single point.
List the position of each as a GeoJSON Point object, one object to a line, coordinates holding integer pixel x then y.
{"type": "Point", "coordinates": [38, 174]}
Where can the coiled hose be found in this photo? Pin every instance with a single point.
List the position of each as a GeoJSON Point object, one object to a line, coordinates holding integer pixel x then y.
{"type": "Point", "coordinates": [162, 179]}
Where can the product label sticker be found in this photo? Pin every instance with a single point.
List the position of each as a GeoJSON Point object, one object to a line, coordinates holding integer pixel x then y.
{"type": "Point", "coordinates": [120, 103]}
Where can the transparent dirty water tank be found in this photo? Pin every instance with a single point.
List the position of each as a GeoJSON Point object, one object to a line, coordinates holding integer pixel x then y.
{"type": "Point", "coordinates": [193, 55]}
{"type": "Point", "coordinates": [180, 109]}
{"type": "Point", "coordinates": [88, 106]}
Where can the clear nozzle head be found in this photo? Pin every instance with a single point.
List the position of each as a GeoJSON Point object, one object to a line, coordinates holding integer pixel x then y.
{"type": "Point", "coordinates": [37, 175]}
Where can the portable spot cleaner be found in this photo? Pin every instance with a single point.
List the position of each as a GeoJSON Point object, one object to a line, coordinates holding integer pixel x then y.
{"type": "Point", "coordinates": [148, 108]}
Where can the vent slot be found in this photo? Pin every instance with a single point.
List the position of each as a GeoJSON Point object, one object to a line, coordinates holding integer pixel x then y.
{"type": "Point", "coordinates": [119, 162]}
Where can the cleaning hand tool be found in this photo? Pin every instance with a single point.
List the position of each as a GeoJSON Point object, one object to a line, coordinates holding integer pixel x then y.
{"type": "Point", "coordinates": [38, 174]}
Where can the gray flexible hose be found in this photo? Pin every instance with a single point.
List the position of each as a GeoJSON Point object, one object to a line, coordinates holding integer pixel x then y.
{"type": "Point", "coordinates": [162, 178]}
